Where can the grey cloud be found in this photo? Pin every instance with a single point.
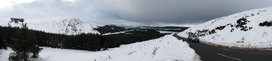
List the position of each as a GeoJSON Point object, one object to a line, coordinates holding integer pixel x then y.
{"type": "Point", "coordinates": [178, 11]}
{"type": "Point", "coordinates": [51, 8]}
{"type": "Point", "coordinates": [139, 12]}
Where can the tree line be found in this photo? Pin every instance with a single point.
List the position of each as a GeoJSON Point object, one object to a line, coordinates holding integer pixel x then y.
{"type": "Point", "coordinates": [26, 42]}
{"type": "Point", "coordinates": [22, 41]}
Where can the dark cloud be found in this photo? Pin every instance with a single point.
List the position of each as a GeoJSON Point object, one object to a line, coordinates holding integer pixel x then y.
{"type": "Point", "coordinates": [178, 11]}
{"type": "Point", "coordinates": [139, 12]}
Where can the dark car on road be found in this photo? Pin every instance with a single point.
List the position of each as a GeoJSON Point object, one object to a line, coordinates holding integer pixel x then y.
{"type": "Point", "coordinates": [193, 38]}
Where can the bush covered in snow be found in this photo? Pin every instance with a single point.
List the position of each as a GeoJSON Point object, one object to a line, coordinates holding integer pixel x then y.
{"type": "Point", "coordinates": [266, 23]}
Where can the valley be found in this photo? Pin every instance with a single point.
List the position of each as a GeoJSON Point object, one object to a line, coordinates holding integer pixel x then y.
{"type": "Point", "coordinates": [135, 30]}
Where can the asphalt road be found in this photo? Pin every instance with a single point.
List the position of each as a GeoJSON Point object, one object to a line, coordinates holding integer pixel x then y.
{"type": "Point", "coordinates": [213, 53]}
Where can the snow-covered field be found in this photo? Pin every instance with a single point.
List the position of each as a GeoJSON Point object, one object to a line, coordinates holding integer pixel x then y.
{"type": "Point", "coordinates": [249, 35]}
{"type": "Point", "coordinates": [166, 48]}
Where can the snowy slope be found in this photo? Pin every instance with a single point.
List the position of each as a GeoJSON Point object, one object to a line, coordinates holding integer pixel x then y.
{"type": "Point", "coordinates": [166, 48]}
{"type": "Point", "coordinates": [60, 25]}
{"type": "Point", "coordinates": [239, 30]}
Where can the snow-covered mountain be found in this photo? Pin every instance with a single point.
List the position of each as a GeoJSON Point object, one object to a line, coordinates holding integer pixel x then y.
{"type": "Point", "coordinates": [60, 25]}
{"type": "Point", "coordinates": [248, 29]}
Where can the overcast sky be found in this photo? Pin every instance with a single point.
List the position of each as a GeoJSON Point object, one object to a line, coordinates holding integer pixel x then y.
{"type": "Point", "coordinates": [129, 12]}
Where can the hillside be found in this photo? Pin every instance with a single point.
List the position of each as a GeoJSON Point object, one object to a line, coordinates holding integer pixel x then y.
{"type": "Point", "coordinates": [59, 25]}
{"type": "Point", "coordinates": [166, 48]}
{"type": "Point", "coordinates": [248, 29]}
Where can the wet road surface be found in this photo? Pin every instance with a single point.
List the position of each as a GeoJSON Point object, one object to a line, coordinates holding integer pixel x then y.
{"type": "Point", "coordinates": [213, 53]}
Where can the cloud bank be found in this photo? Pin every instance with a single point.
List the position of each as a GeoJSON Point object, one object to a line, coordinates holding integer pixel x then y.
{"type": "Point", "coordinates": [137, 12]}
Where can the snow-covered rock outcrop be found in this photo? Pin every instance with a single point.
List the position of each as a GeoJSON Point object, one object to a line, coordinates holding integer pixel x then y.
{"type": "Point", "coordinates": [249, 29]}
{"type": "Point", "coordinates": [17, 22]}
{"type": "Point", "coordinates": [60, 25]}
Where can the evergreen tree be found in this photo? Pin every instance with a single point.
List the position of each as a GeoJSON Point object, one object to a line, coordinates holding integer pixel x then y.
{"type": "Point", "coordinates": [2, 36]}
{"type": "Point", "coordinates": [24, 43]}
{"type": "Point", "coordinates": [2, 43]}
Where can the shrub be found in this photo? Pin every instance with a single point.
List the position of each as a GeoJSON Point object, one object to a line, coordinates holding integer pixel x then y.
{"type": "Point", "coordinates": [266, 23]}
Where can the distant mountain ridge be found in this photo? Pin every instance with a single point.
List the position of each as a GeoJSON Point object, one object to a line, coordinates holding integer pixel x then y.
{"type": "Point", "coordinates": [116, 28]}
{"type": "Point", "coordinates": [59, 25]}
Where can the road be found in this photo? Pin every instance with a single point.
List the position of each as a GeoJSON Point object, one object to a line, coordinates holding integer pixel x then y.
{"type": "Point", "coordinates": [213, 53]}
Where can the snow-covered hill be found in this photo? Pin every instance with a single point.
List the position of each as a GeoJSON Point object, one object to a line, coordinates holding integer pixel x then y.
{"type": "Point", "coordinates": [60, 25]}
{"type": "Point", "coordinates": [249, 29]}
{"type": "Point", "coordinates": [166, 48]}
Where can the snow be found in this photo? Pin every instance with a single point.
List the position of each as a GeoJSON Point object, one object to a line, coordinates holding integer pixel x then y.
{"type": "Point", "coordinates": [257, 37]}
{"type": "Point", "coordinates": [115, 33]}
{"type": "Point", "coordinates": [166, 48]}
{"type": "Point", "coordinates": [60, 25]}
{"type": "Point", "coordinates": [168, 32]}
{"type": "Point", "coordinates": [4, 54]}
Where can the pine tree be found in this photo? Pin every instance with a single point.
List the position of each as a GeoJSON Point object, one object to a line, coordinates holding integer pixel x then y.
{"type": "Point", "coordinates": [2, 43]}
{"type": "Point", "coordinates": [24, 43]}
{"type": "Point", "coordinates": [2, 35]}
